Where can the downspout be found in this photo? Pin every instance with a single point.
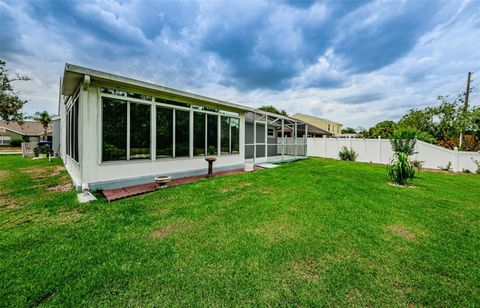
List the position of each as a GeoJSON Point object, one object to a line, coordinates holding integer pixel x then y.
{"type": "Point", "coordinates": [83, 153]}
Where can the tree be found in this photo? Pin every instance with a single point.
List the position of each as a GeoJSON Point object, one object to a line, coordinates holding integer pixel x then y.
{"type": "Point", "coordinates": [273, 109]}
{"type": "Point", "coordinates": [385, 129]}
{"type": "Point", "coordinates": [348, 130]}
{"type": "Point", "coordinates": [44, 118]}
{"type": "Point", "coordinates": [10, 103]}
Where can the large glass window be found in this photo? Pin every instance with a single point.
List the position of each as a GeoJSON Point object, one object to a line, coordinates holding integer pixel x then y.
{"type": "Point", "coordinates": [235, 133]}
{"type": "Point", "coordinates": [230, 135]}
{"type": "Point", "coordinates": [182, 128]}
{"type": "Point", "coordinates": [225, 135]}
{"type": "Point", "coordinates": [212, 133]}
{"type": "Point", "coordinates": [139, 131]}
{"type": "Point", "coordinates": [75, 129]}
{"type": "Point", "coordinates": [114, 129]}
{"type": "Point", "coordinates": [198, 134]}
{"type": "Point", "coordinates": [164, 132]}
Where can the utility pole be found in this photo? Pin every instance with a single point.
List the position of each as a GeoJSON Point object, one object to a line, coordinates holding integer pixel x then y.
{"type": "Point", "coordinates": [465, 106]}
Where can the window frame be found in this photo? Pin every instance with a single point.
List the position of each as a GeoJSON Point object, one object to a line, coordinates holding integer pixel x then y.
{"type": "Point", "coordinates": [153, 105]}
{"type": "Point", "coordinates": [273, 132]}
{"type": "Point", "coordinates": [72, 136]}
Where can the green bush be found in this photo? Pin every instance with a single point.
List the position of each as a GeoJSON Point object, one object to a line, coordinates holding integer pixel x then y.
{"type": "Point", "coordinates": [401, 170]}
{"type": "Point", "coordinates": [477, 162]}
{"type": "Point", "coordinates": [16, 142]}
{"type": "Point", "coordinates": [347, 154]}
{"type": "Point", "coordinates": [211, 150]}
{"type": "Point", "coordinates": [404, 141]}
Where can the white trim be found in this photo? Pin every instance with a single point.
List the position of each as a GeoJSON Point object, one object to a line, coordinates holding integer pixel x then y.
{"type": "Point", "coordinates": [153, 132]}
{"type": "Point", "coordinates": [174, 131]}
{"type": "Point", "coordinates": [128, 132]}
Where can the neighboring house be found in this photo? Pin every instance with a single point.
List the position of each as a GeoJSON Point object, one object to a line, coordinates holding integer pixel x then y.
{"type": "Point", "coordinates": [328, 125]}
{"type": "Point", "coordinates": [28, 131]}
{"type": "Point", "coordinates": [117, 131]}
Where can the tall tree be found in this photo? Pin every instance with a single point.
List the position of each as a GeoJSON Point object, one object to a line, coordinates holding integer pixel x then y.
{"type": "Point", "coordinates": [273, 109]}
{"type": "Point", "coordinates": [385, 129]}
{"type": "Point", "coordinates": [44, 118]}
{"type": "Point", "coordinates": [10, 103]}
{"type": "Point", "coordinates": [348, 130]}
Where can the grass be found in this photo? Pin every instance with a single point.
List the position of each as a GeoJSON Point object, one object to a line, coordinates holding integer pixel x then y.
{"type": "Point", "coordinates": [315, 232]}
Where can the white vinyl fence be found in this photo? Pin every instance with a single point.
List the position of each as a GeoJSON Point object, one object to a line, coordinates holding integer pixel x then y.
{"type": "Point", "coordinates": [380, 151]}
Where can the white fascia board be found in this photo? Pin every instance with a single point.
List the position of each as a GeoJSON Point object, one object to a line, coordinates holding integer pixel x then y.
{"type": "Point", "coordinates": [73, 75]}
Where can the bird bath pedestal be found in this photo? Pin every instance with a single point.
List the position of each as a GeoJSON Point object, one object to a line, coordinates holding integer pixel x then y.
{"type": "Point", "coordinates": [162, 180]}
{"type": "Point", "coordinates": [210, 160]}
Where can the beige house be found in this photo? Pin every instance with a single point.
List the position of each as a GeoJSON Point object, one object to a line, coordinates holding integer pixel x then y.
{"type": "Point", "coordinates": [28, 131]}
{"type": "Point", "coordinates": [328, 125]}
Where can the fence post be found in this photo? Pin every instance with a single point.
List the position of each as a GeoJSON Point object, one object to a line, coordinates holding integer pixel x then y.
{"type": "Point", "coordinates": [379, 149]}
{"type": "Point", "coordinates": [455, 159]}
{"type": "Point", "coordinates": [324, 146]}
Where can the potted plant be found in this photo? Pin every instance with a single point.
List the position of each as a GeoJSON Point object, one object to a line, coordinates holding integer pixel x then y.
{"type": "Point", "coordinates": [36, 151]}
{"type": "Point", "coordinates": [211, 151]}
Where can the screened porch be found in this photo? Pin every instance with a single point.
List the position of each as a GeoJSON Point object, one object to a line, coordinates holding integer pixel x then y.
{"type": "Point", "coordinates": [273, 138]}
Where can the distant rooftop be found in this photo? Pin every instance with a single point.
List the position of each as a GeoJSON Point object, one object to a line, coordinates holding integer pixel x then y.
{"type": "Point", "coordinates": [28, 128]}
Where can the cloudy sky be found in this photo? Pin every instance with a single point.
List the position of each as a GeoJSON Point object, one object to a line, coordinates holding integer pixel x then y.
{"type": "Point", "coordinates": [356, 62]}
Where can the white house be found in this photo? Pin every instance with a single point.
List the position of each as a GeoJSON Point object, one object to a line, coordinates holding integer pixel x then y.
{"type": "Point", "coordinates": [117, 131]}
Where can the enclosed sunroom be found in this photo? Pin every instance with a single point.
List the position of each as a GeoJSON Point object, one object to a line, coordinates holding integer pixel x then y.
{"type": "Point", "coordinates": [117, 131]}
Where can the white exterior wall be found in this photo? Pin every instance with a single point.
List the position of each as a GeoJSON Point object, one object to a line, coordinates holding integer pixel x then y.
{"type": "Point", "coordinates": [380, 151]}
{"type": "Point", "coordinates": [72, 166]}
{"type": "Point", "coordinates": [93, 171]}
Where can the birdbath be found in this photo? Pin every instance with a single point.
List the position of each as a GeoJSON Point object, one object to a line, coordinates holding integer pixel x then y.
{"type": "Point", "coordinates": [162, 180]}
{"type": "Point", "coordinates": [210, 159]}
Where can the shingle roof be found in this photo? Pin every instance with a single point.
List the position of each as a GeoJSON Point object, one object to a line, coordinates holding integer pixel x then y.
{"type": "Point", "coordinates": [28, 128]}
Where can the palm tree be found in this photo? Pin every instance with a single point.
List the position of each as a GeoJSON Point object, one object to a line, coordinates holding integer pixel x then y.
{"type": "Point", "coordinates": [44, 118]}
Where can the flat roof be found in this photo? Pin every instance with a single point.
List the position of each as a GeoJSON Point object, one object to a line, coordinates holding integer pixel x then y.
{"type": "Point", "coordinates": [74, 74]}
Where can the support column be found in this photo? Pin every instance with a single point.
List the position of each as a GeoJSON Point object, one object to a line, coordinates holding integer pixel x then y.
{"type": "Point", "coordinates": [153, 133]}
{"type": "Point", "coordinates": [283, 139]}
{"type": "Point", "coordinates": [295, 138]}
{"type": "Point", "coordinates": [266, 138]}
{"type": "Point", "coordinates": [190, 135]}
{"type": "Point", "coordinates": [219, 131]}
{"type": "Point", "coordinates": [254, 137]}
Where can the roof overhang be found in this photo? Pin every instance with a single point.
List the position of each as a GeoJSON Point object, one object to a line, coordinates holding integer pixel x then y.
{"type": "Point", "coordinates": [75, 75]}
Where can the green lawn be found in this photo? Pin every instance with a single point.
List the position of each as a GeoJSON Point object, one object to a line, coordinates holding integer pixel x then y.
{"type": "Point", "coordinates": [320, 232]}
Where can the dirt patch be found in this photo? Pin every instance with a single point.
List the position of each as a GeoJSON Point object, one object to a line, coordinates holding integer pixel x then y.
{"type": "Point", "coordinates": [306, 269]}
{"type": "Point", "coordinates": [235, 187]}
{"type": "Point", "coordinates": [170, 229]}
{"type": "Point", "coordinates": [402, 232]}
{"type": "Point", "coordinates": [403, 186]}
{"type": "Point", "coordinates": [43, 172]}
{"type": "Point", "coordinates": [8, 202]}
{"type": "Point", "coordinates": [354, 296]}
{"type": "Point", "coordinates": [267, 191]}
{"type": "Point", "coordinates": [61, 187]}
{"type": "Point", "coordinates": [3, 174]}
{"type": "Point", "coordinates": [70, 216]}
{"type": "Point", "coordinates": [276, 230]}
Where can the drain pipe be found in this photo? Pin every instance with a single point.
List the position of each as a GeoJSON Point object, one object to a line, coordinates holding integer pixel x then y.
{"type": "Point", "coordinates": [85, 189]}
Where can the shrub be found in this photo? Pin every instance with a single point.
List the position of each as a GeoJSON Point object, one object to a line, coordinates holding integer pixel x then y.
{"type": "Point", "coordinates": [211, 150]}
{"type": "Point", "coordinates": [16, 142]}
{"type": "Point", "coordinates": [448, 167]}
{"type": "Point", "coordinates": [417, 164]}
{"type": "Point", "coordinates": [477, 162]}
{"type": "Point", "coordinates": [347, 154]}
{"type": "Point", "coordinates": [401, 169]}
{"type": "Point", "coordinates": [404, 141]}
{"type": "Point", "coordinates": [42, 150]}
